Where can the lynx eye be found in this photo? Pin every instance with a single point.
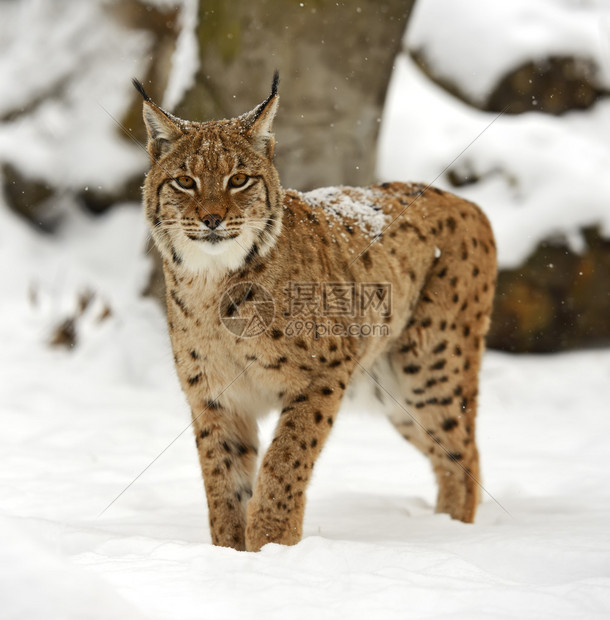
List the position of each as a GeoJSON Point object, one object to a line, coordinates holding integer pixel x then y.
{"type": "Point", "coordinates": [238, 180]}
{"type": "Point", "coordinates": [185, 182]}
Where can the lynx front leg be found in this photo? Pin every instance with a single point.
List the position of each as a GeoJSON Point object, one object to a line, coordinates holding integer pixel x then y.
{"type": "Point", "coordinates": [275, 513]}
{"type": "Point", "coordinates": [227, 446]}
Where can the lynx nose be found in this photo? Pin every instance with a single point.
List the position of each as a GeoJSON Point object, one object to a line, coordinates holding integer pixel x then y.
{"type": "Point", "coordinates": [212, 220]}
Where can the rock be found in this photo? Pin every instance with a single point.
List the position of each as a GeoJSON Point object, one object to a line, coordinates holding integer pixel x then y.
{"type": "Point", "coordinates": [96, 200]}
{"type": "Point", "coordinates": [553, 85]}
{"type": "Point", "coordinates": [557, 300]}
{"type": "Point", "coordinates": [31, 198]}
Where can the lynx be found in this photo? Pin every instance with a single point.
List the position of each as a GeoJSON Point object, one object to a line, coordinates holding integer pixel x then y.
{"type": "Point", "coordinates": [272, 295]}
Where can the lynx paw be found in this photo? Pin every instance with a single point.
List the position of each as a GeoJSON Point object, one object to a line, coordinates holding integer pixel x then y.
{"type": "Point", "coordinates": [264, 526]}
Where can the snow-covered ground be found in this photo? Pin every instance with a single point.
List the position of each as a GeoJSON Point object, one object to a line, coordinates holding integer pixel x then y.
{"type": "Point", "coordinates": [79, 427]}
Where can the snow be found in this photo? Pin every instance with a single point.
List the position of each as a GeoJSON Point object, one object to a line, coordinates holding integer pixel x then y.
{"type": "Point", "coordinates": [106, 421]}
{"type": "Point", "coordinates": [355, 204]}
{"type": "Point", "coordinates": [82, 85]}
{"type": "Point", "coordinates": [185, 59]}
{"type": "Point", "coordinates": [58, 589]}
{"type": "Point", "coordinates": [541, 175]}
{"type": "Point", "coordinates": [102, 511]}
{"type": "Point", "coordinates": [492, 38]}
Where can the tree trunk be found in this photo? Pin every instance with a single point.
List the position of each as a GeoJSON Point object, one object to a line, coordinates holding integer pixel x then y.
{"type": "Point", "coordinates": [335, 61]}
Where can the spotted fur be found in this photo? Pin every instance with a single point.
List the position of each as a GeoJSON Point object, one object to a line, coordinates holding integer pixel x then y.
{"type": "Point", "coordinates": [221, 219]}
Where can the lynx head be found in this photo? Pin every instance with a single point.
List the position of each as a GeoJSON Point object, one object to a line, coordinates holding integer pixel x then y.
{"type": "Point", "coordinates": [212, 196]}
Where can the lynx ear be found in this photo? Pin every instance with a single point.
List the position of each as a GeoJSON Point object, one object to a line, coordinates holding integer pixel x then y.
{"type": "Point", "coordinates": [163, 128]}
{"type": "Point", "coordinates": [260, 121]}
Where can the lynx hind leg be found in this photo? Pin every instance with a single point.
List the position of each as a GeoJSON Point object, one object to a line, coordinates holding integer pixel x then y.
{"type": "Point", "coordinates": [438, 359]}
{"type": "Point", "coordinates": [439, 396]}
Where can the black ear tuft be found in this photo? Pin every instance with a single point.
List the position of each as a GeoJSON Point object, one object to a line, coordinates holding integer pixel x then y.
{"type": "Point", "coordinates": [138, 86]}
{"type": "Point", "coordinates": [276, 81]}
{"type": "Point", "coordinates": [261, 108]}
